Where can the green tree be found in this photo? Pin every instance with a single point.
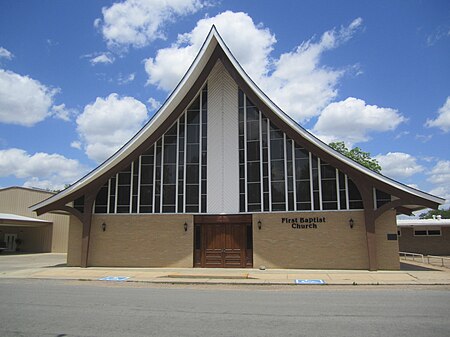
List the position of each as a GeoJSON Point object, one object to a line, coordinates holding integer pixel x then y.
{"type": "Point", "coordinates": [357, 155]}
{"type": "Point", "coordinates": [445, 213]}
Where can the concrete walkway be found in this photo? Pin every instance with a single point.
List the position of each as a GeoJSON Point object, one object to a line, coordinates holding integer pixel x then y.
{"type": "Point", "coordinates": [52, 266]}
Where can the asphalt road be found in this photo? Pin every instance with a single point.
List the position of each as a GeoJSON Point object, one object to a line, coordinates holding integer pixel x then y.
{"type": "Point", "coordinates": [57, 308]}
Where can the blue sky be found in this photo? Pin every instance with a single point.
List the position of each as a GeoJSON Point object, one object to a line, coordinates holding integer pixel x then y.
{"type": "Point", "coordinates": [79, 78]}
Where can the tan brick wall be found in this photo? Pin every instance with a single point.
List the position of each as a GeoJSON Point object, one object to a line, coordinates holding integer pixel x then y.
{"type": "Point", "coordinates": [430, 245]}
{"type": "Point", "coordinates": [387, 250]}
{"type": "Point", "coordinates": [160, 241]}
{"type": "Point", "coordinates": [332, 245]}
{"type": "Point", "coordinates": [135, 241]}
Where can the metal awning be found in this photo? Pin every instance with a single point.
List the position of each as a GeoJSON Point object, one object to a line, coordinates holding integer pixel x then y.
{"type": "Point", "coordinates": [7, 219]}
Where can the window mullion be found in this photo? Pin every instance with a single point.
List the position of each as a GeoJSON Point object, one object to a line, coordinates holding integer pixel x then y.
{"type": "Point", "coordinates": [185, 165]}
{"type": "Point", "coordinates": [311, 181]}
{"type": "Point", "coordinates": [286, 185]}
{"type": "Point", "coordinates": [176, 166]}
{"type": "Point", "coordinates": [294, 174]}
{"type": "Point", "coordinates": [319, 175]}
{"type": "Point", "coordinates": [154, 177]}
{"type": "Point", "coordinates": [109, 196]}
{"type": "Point", "coordinates": [346, 192]}
{"type": "Point", "coordinates": [338, 191]}
{"type": "Point", "coordinates": [245, 154]}
{"type": "Point", "coordinates": [261, 171]}
{"type": "Point", "coordinates": [269, 164]}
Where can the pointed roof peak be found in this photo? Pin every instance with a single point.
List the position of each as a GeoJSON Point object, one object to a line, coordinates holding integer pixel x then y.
{"type": "Point", "coordinates": [213, 48]}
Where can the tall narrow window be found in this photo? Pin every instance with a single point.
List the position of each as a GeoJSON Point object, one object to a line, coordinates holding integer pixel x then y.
{"type": "Point", "coordinates": [253, 159]}
{"type": "Point", "coordinates": [315, 182]}
{"type": "Point", "coordinates": [112, 195]}
{"type": "Point", "coordinates": [277, 169]}
{"type": "Point", "coordinates": [193, 156]}
{"type": "Point", "coordinates": [124, 190]}
{"type": "Point", "coordinates": [181, 170]}
{"type": "Point", "coordinates": [354, 197]}
{"type": "Point", "coordinates": [147, 174]}
{"type": "Point", "coordinates": [135, 186]}
{"type": "Point", "coordinates": [169, 170]}
{"type": "Point", "coordinates": [329, 186]}
{"type": "Point", "coordinates": [342, 191]}
{"type": "Point", "coordinates": [265, 162]}
{"type": "Point", "coordinates": [290, 174]}
{"type": "Point", "coordinates": [302, 179]}
{"type": "Point", "coordinates": [101, 201]}
{"type": "Point", "coordinates": [204, 145]}
{"type": "Point", "coordinates": [157, 178]}
{"type": "Point", "coordinates": [242, 127]}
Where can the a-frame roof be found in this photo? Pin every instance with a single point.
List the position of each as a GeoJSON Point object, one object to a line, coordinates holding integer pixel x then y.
{"type": "Point", "coordinates": [214, 48]}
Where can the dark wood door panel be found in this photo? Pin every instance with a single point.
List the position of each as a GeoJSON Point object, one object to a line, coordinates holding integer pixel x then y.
{"type": "Point", "coordinates": [223, 245]}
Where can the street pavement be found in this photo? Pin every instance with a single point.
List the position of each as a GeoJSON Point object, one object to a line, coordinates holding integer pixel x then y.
{"type": "Point", "coordinates": [56, 308]}
{"type": "Point", "coordinates": [52, 266]}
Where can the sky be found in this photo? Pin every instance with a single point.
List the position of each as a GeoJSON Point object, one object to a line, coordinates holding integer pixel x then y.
{"type": "Point", "coordinates": [78, 78]}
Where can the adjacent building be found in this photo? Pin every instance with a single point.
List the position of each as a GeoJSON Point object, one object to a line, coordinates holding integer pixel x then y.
{"type": "Point", "coordinates": [425, 236]}
{"type": "Point", "coordinates": [23, 231]}
{"type": "Point", "coordinates": [221, 177]}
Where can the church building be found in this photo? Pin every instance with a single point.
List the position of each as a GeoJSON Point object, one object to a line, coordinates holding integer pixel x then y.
{"type": "Point", "coordinates": [221, 177]}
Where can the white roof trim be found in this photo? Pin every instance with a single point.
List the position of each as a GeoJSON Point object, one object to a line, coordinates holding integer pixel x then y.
{"type": "Point", "coordinates": [423, 222]}
{"type": "Point", "coordinates": [177, 95]}
{"type": "Point", "coordinates": [5, 217]}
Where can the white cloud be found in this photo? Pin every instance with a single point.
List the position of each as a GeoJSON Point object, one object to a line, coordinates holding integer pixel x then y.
{"type": "Point", "coordinates": [42, 170]}
{"type": "Point", "coordinates": [4, 53]}
{"type": "Point", "coordinates": [424, 138]}
{"type": "Point", "coordinates": [108, 123]}
{"type": "Point", "coordinates": [138, 22]}
{"type": "Point", "coordinates": [76, 144]}
{"type": "Point", "coordinates": [63, 113]}
{"type": "Point", "coordinates": [299, 84]}
{"type": "Point", "coordinates": [154, 104]}
{"type": "Point", "coordinates": [23, 100]}
{"type": "Point", "coordinates": [296, 81]}
{"type": "Point", "coordinates": [398, 165]}
{"type": "Point", "coordinates": [250, 43]}
{"type": "Point", "coordinates": [440, 173]}
{"type": "Point", "coordinates": [443, 120]}
{"type": "Point", "coordinates": [352, 120]}
{"type": "Point", "coordinates": [125, 79]}
{"type": "Point", "coordinates": [440, 33]}
{"type": "Point", "coordinates": [104, 58]}
{"type": "Point", "coordinates": [442, 191]}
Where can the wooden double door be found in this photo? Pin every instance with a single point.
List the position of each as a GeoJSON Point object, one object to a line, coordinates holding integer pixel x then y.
{"type": "Point", "coordinates": [223, 242]}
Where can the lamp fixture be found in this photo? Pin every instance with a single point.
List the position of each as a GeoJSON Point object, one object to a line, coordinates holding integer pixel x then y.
{"type": "Point", "coordinates": [104, 226]}
{"type": "Point", "coordinates": [185, 226]}
{"type": "Point", "coordinates": [259, 224]}
{"type": "Point", "coordinates": [351, 223]}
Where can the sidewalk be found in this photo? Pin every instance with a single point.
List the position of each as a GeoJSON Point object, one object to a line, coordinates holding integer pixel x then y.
{"type": "Point", "coordinates": [417, 274]}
